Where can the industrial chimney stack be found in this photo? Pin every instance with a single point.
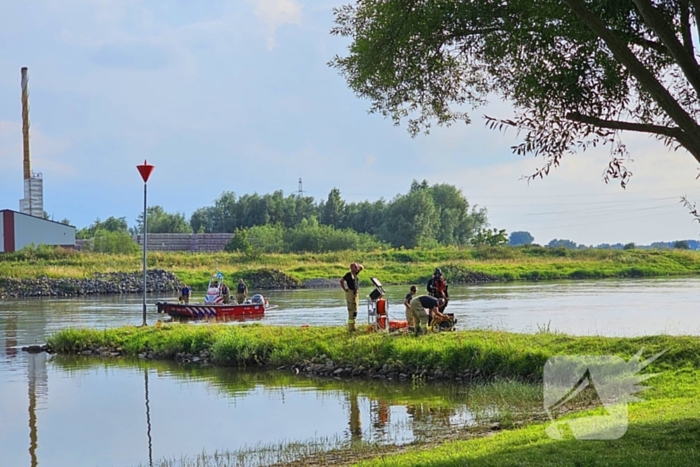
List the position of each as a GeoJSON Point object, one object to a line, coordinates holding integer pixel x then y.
{"type": "Point", "coordinates": [33, 202]}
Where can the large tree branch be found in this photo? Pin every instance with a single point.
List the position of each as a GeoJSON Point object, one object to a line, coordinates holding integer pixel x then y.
{"type": "Point", "coordinates": [673, 132]}
{"type": "Point", "coordinates": [685, 29]}
{"type": "Point", "coordinates": [644, 76]}
{"type": "Point", "coordinates": [654, 19]}
{"type": "Point", "coordinates": [649, 44]}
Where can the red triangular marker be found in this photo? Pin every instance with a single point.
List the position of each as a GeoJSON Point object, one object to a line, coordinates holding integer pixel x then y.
{"type": "Point", "coordinates": [145, 170]}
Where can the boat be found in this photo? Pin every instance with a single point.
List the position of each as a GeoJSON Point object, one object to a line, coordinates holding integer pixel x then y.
{"type": "Point", "coordinates": [214, 307]}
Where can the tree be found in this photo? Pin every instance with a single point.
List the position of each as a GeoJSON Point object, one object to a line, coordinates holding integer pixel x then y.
{"type": "Point", "coordinates": [160, 221]}
{"type": "Point", "coordinates": [410, 219]}
{"type": "Point", "coordinates": [681, 245]}
{"type": "Point", "coordinates": [629, 246]}
{"type": "Point", "coordinates": [578, 72]}
{"type": "Point", "coordinates": [332, 211]}
{"type": "Point", "coordinates": [111, 224]}
{"type": "Point", "coordinates": [490, 237]}
{"type": "Point", "coordinates": [562, 243]}
{"type": "Point", "coordinates": [520, 238]}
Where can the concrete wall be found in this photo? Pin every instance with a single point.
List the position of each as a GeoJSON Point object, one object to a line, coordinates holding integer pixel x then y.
{"type": "Point", "coordinates": [185, 242]}
{"type": "Point", "coordinates": [29, 229]}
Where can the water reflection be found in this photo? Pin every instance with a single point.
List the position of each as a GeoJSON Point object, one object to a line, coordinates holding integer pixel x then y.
{"type": "Point", "coordinates": [148, 419]}
{"type": "Point", "coordinates": [188, 409]}
{"type": "Point", "coordinates": [33, 367]}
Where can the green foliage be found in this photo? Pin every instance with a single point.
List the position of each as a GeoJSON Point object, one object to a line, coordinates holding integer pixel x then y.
{"type": "Point", "coordinates": [629, 246]}
{"type": "Point", "coordinates": [160, 221]}
{"type": "Point", "coordinates": [239, 242]}
{"type": "Point", "coordinates": [681, 245]}
{"type": "Point", "coordinates": [426, 216]}
{"type": "Point", "coordinates": [106, 241]}
{"type": "Point", "coordinates": [555, 243]}
{"type": "Point", "coordinates": [490, 237]}
{"type": "Point", "coordinates": [309, 236]}
{"type": "Point", "coordinates": [111, 224]}
{"type": "Point", "coordinates": [33, 253]}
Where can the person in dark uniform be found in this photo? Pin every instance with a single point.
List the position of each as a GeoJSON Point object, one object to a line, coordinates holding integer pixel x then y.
{"type": "Point", "coordinates": [437, 287]}
{"type": "Point", "coordinates": [225, 293]}
{"type": "Point", "coordinates": [241, 291]}
{"type": "Point", "coordinates": [407, 303]}
{"type": "Point", "coordinates": [351, 286]}
{"type": "Point", "coordinates": [185, 293]}
{"type": "Point", "coordinates": [419, 305]}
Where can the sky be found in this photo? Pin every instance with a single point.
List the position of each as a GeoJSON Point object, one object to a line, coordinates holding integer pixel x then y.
{"type": "Point", "coordinates": [238, 96]}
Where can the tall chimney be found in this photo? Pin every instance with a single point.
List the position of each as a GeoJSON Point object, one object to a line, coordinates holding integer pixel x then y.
{"type": "Point", "coordinates": [33, 201]}
{"type": "Point", "coordinates": [25, 123]}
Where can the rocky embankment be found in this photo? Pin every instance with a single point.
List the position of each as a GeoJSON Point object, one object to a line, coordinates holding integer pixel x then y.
{"type": "Point", "coordinates": [267, 279]}
{"type": "Point", "coordinates": [162, 281]}
{"type": "Point", "coordinates": [157, 280]}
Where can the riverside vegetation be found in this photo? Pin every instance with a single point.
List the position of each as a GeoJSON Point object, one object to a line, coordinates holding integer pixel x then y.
{"type": "Point", "coordinates": [663, 429]}
{"type": "Point", "coordinates": [393, 266]}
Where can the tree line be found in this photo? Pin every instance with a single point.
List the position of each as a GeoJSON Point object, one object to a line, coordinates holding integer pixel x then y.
{"type": "Point", "coordinates": [425, 216]}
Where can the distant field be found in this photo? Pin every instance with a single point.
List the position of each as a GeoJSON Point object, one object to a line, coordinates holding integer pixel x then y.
{"type": "Point", "coordinates": [392, 266]}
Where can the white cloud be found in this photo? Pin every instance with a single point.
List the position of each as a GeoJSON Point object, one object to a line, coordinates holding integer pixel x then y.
{"type": "Point", "coordinates": [275, 13]}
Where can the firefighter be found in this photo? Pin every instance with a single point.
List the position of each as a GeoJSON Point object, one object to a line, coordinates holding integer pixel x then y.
{"type": "Point", "coordinates": [351, 286]}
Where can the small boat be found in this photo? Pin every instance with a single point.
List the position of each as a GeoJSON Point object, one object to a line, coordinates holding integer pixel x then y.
{"type": "Point", "coordinates": [214, 306]}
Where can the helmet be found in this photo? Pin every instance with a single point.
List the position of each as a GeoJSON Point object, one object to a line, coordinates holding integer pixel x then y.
{"type": "Point", "coordinates": [438, 272]}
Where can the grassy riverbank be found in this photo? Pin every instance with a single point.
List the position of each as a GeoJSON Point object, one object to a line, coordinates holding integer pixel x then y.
{"type": "Point", "coordinates": [392, 266]}
{"type": "Point", "coordinates": [490, 353]}
{"type": "Point", "coordinates": [664, 429]}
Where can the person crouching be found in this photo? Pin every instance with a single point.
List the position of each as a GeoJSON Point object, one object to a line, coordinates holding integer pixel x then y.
{"type": "Point", "coordinates": [420, 316]}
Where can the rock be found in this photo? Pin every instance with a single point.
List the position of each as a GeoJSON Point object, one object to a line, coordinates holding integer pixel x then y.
{"type": "Point", "coordinates": [86, 352]}
{"type": "Point", "coordinates": [157, 280]}
{"type": "Point", "coordinates": [320, 283]}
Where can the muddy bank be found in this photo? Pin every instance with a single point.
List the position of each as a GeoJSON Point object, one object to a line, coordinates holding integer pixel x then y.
{"type": "Point", "coordinates": [157, 280]}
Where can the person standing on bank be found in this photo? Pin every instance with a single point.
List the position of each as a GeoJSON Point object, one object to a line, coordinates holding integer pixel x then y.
{"type": "Point", "coordinates": [407, 303]}
{"type": "Point", "coordinates": [351, 286]}
{"type": "Point", "coordinates": [418, 307]}
{"type": "Point", "coordinates": [241, 291]}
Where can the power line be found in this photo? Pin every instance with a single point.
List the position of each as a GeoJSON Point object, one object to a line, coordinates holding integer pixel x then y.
{"type": "Point", "coordinates": [603, 221]}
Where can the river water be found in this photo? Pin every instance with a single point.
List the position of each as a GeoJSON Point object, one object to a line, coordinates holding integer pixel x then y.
{"type": "Point", "coordinates": [82, 411]}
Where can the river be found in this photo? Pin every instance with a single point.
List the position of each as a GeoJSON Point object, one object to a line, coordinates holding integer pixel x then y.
{"type": "Point", "coordinates": [60, 411]}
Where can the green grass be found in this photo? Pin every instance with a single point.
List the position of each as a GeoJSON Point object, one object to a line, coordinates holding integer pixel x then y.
{"type": "Point", "coordinates": [492, 353]}
{"type": "Point", "coordinates": [392, 266]}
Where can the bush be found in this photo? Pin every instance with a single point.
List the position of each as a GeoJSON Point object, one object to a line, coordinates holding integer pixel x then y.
{"type": "Point", "coordinates": [114, 242]}
{"type": "Point", "coordinates": [46, 252]}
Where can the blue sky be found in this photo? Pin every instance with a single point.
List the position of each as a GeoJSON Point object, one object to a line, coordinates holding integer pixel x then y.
{"type": "Point", "coordinates": [238, 96]}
